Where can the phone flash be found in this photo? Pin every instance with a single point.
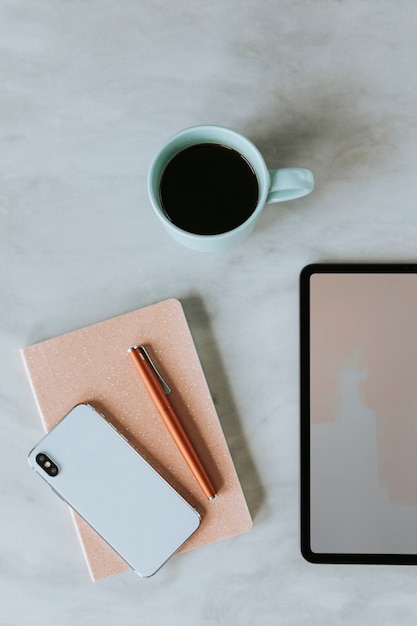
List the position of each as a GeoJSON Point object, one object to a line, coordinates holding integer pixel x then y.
{"type": "Point", "coordinates": [47, 464]}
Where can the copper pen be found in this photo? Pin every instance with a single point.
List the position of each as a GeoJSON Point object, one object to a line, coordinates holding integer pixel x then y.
{"type": "Point", "coordinates": [158, 391]}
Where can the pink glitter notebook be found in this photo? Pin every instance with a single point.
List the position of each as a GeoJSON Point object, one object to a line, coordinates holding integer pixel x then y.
{"type": "Point", "coordinates": [92, 365]}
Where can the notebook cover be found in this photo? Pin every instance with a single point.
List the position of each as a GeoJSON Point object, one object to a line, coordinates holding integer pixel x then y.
{"type": "Point", "coordinates": [92, 365]}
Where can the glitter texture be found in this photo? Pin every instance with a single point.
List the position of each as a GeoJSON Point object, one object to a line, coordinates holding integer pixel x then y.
{"type": "Point", "coordinates": [92, 365]}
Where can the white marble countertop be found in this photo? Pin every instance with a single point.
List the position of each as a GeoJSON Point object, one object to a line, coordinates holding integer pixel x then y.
{"type": "Point", "coordinates": [89, 91]}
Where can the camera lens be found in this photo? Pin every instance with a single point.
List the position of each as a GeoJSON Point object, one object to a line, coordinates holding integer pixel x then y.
{"type": "Point", "coordinates": [47, 464]}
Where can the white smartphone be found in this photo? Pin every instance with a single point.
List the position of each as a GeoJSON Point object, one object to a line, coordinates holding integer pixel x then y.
{"type": "Point", "coordinates": [98, 473]}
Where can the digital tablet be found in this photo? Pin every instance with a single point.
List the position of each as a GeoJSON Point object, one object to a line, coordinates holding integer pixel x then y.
{"type": "Point", "coordinates": [359, 413]}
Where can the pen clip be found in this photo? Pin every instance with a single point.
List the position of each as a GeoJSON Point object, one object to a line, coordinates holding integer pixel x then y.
{"type": "Point", "coordinates": [144, 354]}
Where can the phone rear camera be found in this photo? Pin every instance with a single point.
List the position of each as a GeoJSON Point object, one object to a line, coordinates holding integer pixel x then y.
{"type": "Point", "coordinates": [47, 464]}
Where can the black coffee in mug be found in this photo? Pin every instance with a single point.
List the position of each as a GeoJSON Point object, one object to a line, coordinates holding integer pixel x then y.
{"type": "Point", "coordinates": [208, 189]}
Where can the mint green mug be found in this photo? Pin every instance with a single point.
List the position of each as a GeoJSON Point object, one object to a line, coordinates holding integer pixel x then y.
{"type": "Point", "coordinates": [178, 181]}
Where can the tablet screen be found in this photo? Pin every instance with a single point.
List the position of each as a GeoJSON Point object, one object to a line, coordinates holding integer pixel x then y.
{"type": "Point", "coordinates": [359, 413]}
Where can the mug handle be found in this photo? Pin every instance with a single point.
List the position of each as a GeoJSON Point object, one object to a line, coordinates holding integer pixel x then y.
{"type": "Point", "coordinates": [289, 183]}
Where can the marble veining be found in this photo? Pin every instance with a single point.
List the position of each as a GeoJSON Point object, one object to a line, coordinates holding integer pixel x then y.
{"type": "Point", "coordinates": [89, 92]}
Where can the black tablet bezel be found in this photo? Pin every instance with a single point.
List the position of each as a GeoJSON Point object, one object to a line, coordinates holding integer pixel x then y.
{"type": "Point", "coordinates": [307, 272]}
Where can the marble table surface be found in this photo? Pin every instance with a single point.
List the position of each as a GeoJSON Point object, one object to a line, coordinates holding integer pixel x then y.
{"type": "Point", "coordinates": [89, 91]}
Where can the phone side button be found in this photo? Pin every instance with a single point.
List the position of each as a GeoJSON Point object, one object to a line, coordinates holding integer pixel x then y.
{"type": "Point", "coordinates": [118, 432]}
{"type": "Point", "coordinates": [58, 494]}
